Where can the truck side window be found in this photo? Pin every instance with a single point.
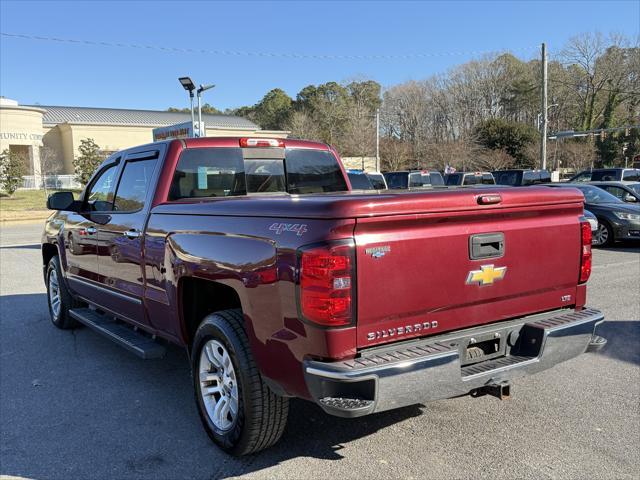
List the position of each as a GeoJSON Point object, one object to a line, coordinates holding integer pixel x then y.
{"type": "Point", "coordinates": [134, 185]}
{"type": "Point", "coordinates": [208, 172]}
{"type": "Point", "coordinates": [99, 197]}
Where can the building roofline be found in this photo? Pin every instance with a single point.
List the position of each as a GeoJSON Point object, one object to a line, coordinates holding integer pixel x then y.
{"type": "Point", "coordinates": [29, 108]}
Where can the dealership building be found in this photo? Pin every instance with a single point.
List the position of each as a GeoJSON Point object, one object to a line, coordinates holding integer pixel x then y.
{"type": "Point", "coordinates": [38, 131]}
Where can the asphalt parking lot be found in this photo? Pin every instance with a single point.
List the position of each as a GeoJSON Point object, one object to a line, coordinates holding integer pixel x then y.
{"type": "Point", "coordinates": [73, 405]}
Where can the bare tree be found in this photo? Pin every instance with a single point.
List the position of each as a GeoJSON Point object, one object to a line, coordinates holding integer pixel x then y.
{"type": "Point", "coordinates": [49, 165]}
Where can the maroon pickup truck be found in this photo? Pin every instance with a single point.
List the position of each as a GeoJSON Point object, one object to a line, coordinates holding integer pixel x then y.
{"type": "Point", "coordinates": [255, 255]}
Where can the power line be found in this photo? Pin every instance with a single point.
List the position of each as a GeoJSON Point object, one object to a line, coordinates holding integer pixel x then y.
{"type": "Point", "coordinates": [297, 56]}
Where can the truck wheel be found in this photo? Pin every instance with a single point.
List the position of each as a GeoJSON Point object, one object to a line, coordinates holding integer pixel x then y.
{"type": "Point", "coordinates": [239, 411]}
{"type": "Point", "coordinates": [58, 297]}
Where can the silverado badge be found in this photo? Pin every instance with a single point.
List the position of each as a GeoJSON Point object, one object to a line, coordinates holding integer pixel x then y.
{"type": "Point", "coordinates": [486, 275]}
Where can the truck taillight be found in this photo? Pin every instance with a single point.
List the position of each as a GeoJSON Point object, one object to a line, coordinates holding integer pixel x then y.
{"type": "Point", "coordinates": [585, 256]}
{"type": "Point", "coordinates": [326, 283]}
{"type": "Point", "coordinates": [261, 142]}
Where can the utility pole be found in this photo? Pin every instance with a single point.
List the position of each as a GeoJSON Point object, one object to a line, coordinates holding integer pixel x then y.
{"type": "Point", "coordinates": [543, 128]}
{"type": "Point", "coordinates": [377, 139]}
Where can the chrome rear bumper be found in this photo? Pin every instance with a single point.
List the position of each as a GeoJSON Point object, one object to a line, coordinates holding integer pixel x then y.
{"type": "Point", "coordinates": [430, 369]}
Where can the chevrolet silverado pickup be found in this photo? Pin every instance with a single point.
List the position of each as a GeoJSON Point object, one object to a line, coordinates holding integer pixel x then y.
{"type": "Point", "coordinates": [256, 256]}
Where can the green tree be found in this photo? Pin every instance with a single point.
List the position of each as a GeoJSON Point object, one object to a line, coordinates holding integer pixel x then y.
{"type": "Point", "coordinates": [206, 110]}
{"type": "Point", "coordinates": [88, 161]}
{"type": "Point", "coordinates": [512, 137]}
{"type": "Point", "coordinates": [274, 110]}
{"type": "Point", "coordinates": [12, 168]}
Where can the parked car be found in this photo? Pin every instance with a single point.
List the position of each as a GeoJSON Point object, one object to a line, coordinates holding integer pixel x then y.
{"type": "Point", "coordinates": [616, 220]}
{"type": "Point", "coordinates": [628, 192]}
{"type": "Point", "coordinates": [606, 175]}
{"type": "Point", "coordinates": [469, 178]}
{"type": "Point", "coordinates": [377, 180]}
{"type": "Point", "coordinates": [413, 179]}
{"type": "Point", "coordinates": [359, 180]}
{"type": "Point", "coordinates": [592, 219]}
{"type": "Point", "coordinates": [520, 177]}
{"type": "Point", "coordinates": [253, 254]}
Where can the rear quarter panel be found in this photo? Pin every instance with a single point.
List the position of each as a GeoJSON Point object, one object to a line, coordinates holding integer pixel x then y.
{"type": "Point", "coordinates": [249, 255]}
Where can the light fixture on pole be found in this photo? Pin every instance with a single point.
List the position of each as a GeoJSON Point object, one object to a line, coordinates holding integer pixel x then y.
{"type": "Point", "coordinates": [189, 86]}
{"type": "Point", "coordinates": [201, 89]}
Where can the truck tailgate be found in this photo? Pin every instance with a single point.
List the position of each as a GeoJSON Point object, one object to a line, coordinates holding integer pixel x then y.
{"type": "Point", "coordinates": [416, 275]}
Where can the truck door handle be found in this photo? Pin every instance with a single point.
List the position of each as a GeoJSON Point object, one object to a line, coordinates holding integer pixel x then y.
{"type": "Point", "coordinates": [90, 230]}
{"type": "Point", "coordinates": [132, 234]}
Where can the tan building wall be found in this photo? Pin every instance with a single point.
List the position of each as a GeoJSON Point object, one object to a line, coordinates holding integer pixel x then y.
{"type": "Point", "coordinates": [65, 138]}
{"type": "Point", "coordinates": [368, 164]}
{"type": "Point", "coordinates": [21, 132]}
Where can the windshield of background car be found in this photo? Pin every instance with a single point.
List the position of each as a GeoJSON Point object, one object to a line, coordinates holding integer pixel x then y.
{"type": "Point", "coordinates": [436, 178]}
{"type": "Point", "coordinates": [506, 178]}
{"type": "Point", "coordinates": [397, 179]}
{"type": "Point", "coordinates": [419, 179]}
{"type": "Point", "coordinates": [377, 181]}
{"type": "Point", "coordinates": [454, 179]}
{"type": "Point", "coordinates": [359, 181]}
{"type": "Point", "coordinates": [631, 175]}
{"type": "Point", "coordinates": [597, 195]}
{"type": "Point", "coordinates": [603, 175]}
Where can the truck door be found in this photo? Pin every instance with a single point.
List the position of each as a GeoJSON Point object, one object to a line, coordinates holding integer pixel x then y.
{"type": "Point", "coordinates": [120, 237]}
{"type": "Point", "coordinates": [80, 233]}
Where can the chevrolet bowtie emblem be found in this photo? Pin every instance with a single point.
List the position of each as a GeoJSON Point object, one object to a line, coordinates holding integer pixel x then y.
{"type": "Point", "coordinates": [486, 275]}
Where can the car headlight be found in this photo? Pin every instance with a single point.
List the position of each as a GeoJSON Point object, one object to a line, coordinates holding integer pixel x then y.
{"type": "Point", "coordinates": [627, 216]}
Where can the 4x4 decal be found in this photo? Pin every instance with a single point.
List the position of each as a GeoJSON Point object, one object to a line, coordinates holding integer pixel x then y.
{"type": "Point", "coordinates": [298, 228]}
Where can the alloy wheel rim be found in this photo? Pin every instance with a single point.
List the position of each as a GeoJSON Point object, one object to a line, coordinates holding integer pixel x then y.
{"type": "Point", "coordinates": [54, 294]}
{"type": "Point", "coordinates": [218, 385]}
{"type": "Point", "coordinates": [601, 235]}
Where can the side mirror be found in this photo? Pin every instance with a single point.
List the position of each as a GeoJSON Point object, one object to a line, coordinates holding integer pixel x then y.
{"type": "Point", "coordinates": [61, 201]}
{"type": "Point", "coordinates": [629, 198]}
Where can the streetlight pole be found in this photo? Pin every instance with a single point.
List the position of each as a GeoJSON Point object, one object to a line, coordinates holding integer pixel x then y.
{"type": "Point", "coordinates": [201, 89]}
{"type": "Point", "coordinates": [543, 130]}
{"type": "Point", "coordinates": [377, 139]}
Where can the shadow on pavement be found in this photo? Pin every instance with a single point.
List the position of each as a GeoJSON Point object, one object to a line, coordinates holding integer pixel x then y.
{"type": "Point", "coordinates": [623, 340]}
{"type": "Point", "coordinates": [35, 246]}
{"type": "Point", "coordinates": [629, 246]}
{"type": "Point", "coordinates": [121, 417]}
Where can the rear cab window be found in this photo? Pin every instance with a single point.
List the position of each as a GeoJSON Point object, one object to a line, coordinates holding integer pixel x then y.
{"type": "Point", "coordinates": [223, 172]}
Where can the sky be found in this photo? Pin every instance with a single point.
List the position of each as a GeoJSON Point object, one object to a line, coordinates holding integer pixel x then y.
{"type": "Point", "coordinates": [435, 35]}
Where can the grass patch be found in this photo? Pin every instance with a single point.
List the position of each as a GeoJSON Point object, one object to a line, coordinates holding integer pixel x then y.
{"type": "Point", "coordinates": [25, 201]}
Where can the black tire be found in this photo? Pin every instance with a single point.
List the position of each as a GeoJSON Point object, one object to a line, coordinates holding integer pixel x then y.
{"type": "Point", "coordinates": [62, 320]}
{"type": "Point", "coordinates": [262, 415]}
{"type": "Point", "coordinates": [609, 234]}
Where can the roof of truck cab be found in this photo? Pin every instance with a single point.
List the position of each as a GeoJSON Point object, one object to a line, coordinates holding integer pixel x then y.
{"type": "Point", "coordinates": [234, 142]}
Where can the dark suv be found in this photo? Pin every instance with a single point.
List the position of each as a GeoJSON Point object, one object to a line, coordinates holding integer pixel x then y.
{"type": "Point", "coordinates": [607, 175]}
{"type": "Point", "coordinates": [517, 178]}
{"type": "Point", "coordinates": [469, 178]}
{"type": "Point", "coordinates": [413, 179]}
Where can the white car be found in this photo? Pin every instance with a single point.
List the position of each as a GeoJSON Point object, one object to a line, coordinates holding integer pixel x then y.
{"type": "Point", "coordinates": [377, 180]}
